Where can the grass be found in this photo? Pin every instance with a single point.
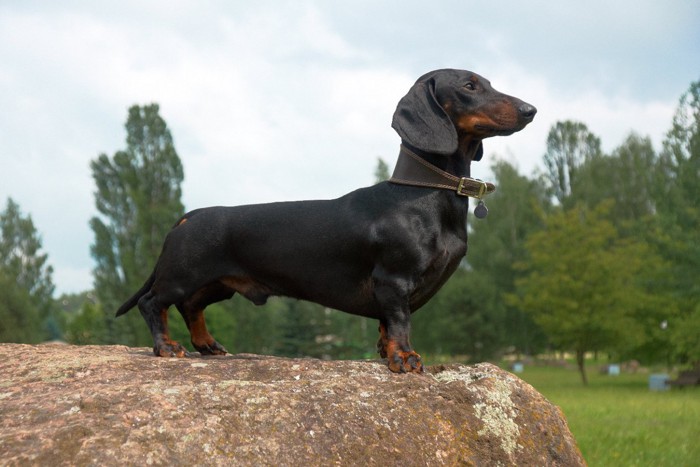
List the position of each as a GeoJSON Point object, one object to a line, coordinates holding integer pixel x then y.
{"type": "Point", "coordinates": [618, 421]}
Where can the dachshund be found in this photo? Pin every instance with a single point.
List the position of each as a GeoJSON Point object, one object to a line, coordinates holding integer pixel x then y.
{"type": "Point", "coordinates": [380, 252]}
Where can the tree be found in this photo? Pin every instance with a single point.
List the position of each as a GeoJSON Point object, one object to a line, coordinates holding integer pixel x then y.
{"type": "Point", "coordinates": [381, 173]}
{"type": "Point", "coordinates": [569, 145]}
{"type": "Point", "coordinates": [303, 329]}
{"type": "Point", "coordinates": [685, 342]}
{"type": "Point", "coordinates": [241, 326]}
{"type": "Point", "coordinates": [87, 326]}
{"type": "Point", "coordinates": [138, 198]}
{"type": "Point", "coordinates": [626, 176]}
{"type": "Point", "coordinates": [27, 286]}
{"type": "Point", "coordinates": [632, 174]}
{"type": "Point", "coordinates": [585, 285]}
{"type": "Point", "coordinates": [20, 256]}
{"type": "Point", "coordinates": [19, 318]}
{"type": "Point", "coordinates": [678, 197]}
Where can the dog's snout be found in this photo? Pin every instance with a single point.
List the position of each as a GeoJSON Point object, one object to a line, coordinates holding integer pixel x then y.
{"type": "Point", "coordinates": [527, 111]}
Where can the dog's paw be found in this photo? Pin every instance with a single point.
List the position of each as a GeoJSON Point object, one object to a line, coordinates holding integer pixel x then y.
{"type": "Point", "coordinates": [405, 362]}
{"type": "Point", "coordinates": [169, 349]}
{"type": "Point", "coordinates": [214, 348]}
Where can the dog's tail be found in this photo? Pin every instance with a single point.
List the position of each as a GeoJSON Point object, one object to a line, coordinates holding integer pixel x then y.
{"type": "Point", "coordinates": [129, 304]}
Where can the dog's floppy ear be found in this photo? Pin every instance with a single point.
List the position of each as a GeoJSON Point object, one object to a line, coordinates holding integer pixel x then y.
{"type": "Point", "coordinates": [422, 122]}
{"type": "Point", "coordinates": [479, 152]}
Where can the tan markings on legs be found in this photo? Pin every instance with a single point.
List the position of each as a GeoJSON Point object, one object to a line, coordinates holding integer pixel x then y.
{"type": "Point", "coordinates": [198, 330]}
{"type": "Point", "coordinates": [402, 361]}
{"type": "Point", "coordinates": [166, 347]}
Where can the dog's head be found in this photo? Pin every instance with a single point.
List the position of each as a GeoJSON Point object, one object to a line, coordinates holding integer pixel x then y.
{"type": "Point", "coordinates": [445, 106]}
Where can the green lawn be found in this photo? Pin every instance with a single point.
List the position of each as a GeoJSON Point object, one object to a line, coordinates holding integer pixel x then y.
{"type": "Point", "coordinates": [617, 421]}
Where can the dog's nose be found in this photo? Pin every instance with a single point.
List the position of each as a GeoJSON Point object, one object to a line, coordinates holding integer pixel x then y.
{"type": "Point", "coordinates": [527, 111]}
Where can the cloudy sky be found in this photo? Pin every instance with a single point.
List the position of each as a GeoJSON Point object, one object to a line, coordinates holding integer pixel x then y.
{"type": "Point", "coordinates": [278, 100]}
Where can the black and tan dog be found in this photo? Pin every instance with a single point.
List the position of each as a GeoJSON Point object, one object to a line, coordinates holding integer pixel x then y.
{"type": "Point", "coordinates": [380, 252]}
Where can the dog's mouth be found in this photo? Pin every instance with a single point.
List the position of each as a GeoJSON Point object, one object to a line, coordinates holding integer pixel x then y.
{"type": "Point", "coordinates": [485, 126]}
{"type": "Point", "coordinates": [487, 130]}
{"type": "Point", "coordinates": [501, 120]}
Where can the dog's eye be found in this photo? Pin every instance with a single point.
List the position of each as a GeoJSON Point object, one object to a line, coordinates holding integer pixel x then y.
{"type": "Point", "coordinates": [470, 86]}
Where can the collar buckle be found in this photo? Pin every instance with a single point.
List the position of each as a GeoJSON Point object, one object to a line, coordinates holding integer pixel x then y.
{"type": "Point", "coordinates": [472, 187]}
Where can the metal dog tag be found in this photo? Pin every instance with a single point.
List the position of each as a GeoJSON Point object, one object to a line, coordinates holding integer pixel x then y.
{"type": "Point", "coordinates": [481, 210]}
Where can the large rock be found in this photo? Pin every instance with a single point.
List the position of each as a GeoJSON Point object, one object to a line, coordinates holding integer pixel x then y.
{"type": "Point", "coordinates": [67, 405]}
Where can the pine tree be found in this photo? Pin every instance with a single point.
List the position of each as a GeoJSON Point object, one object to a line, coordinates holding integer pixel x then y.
{"type": "Point", "coordinates": [569, 145]}
{"type": "Point", "coordinates": [381, 172]}
{"type": "Point", "coordinates": [26, 286]}
{"type": "Point", "coordinates": [138, 198]}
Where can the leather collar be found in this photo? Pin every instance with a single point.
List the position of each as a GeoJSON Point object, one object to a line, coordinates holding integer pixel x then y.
{"type": "Point", "coordinates": [413, 170]}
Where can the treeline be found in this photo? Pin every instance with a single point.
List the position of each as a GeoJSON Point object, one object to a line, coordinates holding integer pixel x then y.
{"type": "Point", "coordinates": [599, 252]}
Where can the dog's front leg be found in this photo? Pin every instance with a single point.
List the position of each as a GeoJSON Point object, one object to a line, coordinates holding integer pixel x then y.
{"type": "Point", "coordinates": [398, 352]}
{"type": "Point", "coordinates": [395, 329]}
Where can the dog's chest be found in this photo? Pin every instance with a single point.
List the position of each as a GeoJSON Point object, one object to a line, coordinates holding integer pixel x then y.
{"type": "Point", "coordinates": [439, 269]}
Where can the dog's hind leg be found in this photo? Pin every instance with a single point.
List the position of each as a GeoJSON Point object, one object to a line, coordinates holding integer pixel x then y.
{"type": "Point", "coordinates": [202, 341]}
{"type": "Point", "coordinates": [192, 311]}
{"type": "Point", "coordinates": [156, 317]}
